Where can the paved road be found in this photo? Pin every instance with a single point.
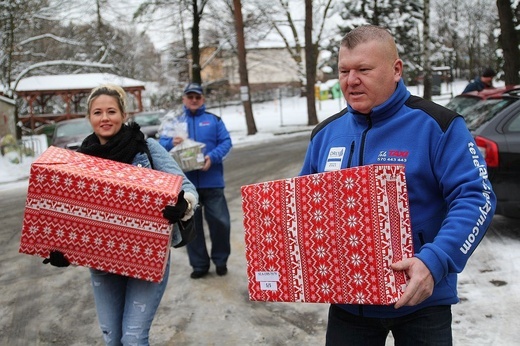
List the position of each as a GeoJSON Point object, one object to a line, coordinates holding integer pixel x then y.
{"type": "Point", "coordinates": [43, 305]}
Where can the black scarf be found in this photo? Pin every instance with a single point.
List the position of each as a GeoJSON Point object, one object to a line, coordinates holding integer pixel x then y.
{"type": "Point", "coordinates": [122, 147]}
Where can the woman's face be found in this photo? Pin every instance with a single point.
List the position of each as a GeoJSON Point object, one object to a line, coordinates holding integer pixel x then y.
{"type": "Point", "coordinates": [105, 117]}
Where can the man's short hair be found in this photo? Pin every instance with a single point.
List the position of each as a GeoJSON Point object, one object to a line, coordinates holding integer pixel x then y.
{"type": "Point", "coordinates": [488, 72]}
{"type": "Point", "coordinates": [367, 33]}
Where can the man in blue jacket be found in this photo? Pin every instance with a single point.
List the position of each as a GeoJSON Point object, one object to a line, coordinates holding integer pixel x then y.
{"type": "Point", "coordinates": [209, 129]}
{"type": "Point", "coordinates": [485, 81]}
{"type": "Point", "coordinates": [451, 199]}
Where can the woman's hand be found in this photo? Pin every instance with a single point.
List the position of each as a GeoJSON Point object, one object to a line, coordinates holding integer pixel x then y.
{"type": "Point", "coordinates": [174, 213]}
{"type": "Point", "coordinates": [57, 259]}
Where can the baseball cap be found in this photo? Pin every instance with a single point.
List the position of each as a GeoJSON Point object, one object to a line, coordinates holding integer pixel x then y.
{"type": "Point", "coordinates": [488, 72]}
{"type": "Point", "coordinates": [193, 88]}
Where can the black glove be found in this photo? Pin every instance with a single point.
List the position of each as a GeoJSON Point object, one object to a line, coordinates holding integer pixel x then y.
{"type": "Point", "coordinates": [187, 229]}
{"type": "Point", "coordinates": [57, 259]}
{"type": "Point", "coordinates": [173, 213]}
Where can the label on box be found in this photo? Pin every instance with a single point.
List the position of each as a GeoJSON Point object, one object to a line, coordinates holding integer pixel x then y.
{"type": "Point", "coordinates": [267, 276]}
{"type": "Point", "coordinates": [269, 286]}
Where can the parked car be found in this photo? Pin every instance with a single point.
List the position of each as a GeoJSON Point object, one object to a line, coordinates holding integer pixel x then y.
{"type": "Point", "coordinates": [149, 122]}
{"type": "Point", "coordinates": [463, 101]}
{"type": "Point", "coordinates": [69, 134]}
{"type": "Point", "coordinates": [495, 124]}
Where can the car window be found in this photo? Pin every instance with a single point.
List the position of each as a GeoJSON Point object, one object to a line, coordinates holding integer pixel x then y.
{"type": "Point", "coordinates": [514, 125]}
{"type": "Point", "coordinates": [73, 129]}
{"type": "Point", "coordinates": [148, 119]}
{"type": "Point", "coordinates": [459, 103]}
{"type": "Point", "coordinates": [484, 111]}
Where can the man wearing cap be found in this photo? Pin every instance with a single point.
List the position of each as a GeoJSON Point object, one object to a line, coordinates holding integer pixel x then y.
{"type": "Point", "coordinates": [207, 128]}
{"type": "Point", "coordinates": [483, 82]}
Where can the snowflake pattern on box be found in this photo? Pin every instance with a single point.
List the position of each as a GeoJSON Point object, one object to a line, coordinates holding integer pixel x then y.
{"type": "Point", "coordinates": [328, 237]}
{"type": "Point", "coordinates": [102, 214]}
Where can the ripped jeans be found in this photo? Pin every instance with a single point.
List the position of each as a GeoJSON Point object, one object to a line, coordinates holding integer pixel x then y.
{"type": "Point", "coordinates": [126, 306]}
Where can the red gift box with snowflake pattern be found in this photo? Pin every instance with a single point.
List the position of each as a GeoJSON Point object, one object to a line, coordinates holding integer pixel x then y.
{"type": "Point", "coordinates": [100, 213]}
{"type": "Point", "coordinates": [328, 237]}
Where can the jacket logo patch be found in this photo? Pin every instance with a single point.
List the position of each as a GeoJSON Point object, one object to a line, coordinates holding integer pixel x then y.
{"type": "Point", "coordinates": [393, 156]}
{"type": "Point", "coordinates": [335, 159]}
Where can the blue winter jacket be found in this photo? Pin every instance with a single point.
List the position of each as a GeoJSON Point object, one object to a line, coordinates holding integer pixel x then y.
{"type": "Point", "coordinates": [476, 85]}
{"type": "Point", "coordinates": [209, 129]}
{"type": "Point", "coordinates": [450, 196]}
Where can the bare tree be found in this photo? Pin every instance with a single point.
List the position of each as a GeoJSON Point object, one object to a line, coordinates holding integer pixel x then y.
{"type": "Point", "coordinates": [278, 13]}
{"type": "Point", "coordinates": [164, 9]}
{"type": "Point", "coordinates": [242, 67]}
{"type": "Point", "coordinates": [197, 10]}
{"type": "Point", "coordinates": [509, 41]}
{"type": "Point", "coordinates": [311, 53]}
{"type": "Point", "coordinates": [34, 42]}
{"type": "Point", "coordinates": [427, 92]}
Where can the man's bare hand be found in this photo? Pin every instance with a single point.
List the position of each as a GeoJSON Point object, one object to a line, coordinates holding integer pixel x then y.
{"type": "Point", "coordinates": [177, 140]}
{"type": "Point", "coordinates": [207, 163]}
{"type": "Point", "coordinates": [420, 282]}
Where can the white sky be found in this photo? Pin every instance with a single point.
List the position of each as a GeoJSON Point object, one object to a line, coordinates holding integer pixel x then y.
{"type": "Point", "coordinates": [488, 312]}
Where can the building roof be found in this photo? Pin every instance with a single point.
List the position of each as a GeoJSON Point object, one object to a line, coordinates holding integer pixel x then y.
{"type": "Point", "coordinates": [39, 91]}
{"type": "Point", "coordinates": [75, 82]}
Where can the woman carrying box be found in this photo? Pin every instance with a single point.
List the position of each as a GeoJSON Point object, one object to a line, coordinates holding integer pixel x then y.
{"type": "Point", "coordinates": [126, 306]}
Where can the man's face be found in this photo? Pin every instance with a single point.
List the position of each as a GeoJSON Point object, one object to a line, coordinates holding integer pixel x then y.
{"type": "Point", "coordinates": [368, 74]}
{"type": "Point", "coordinates": [487, 80]}
{"type": "Point", "coordinates": [193, 101]}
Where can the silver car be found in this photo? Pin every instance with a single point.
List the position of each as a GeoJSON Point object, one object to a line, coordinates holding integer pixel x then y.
{"type": "Point", "coordinates": [69, 134]}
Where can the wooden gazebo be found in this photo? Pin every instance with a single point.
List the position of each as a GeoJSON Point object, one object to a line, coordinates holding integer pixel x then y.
{"type": "Point", "coordinates": [72, 90]}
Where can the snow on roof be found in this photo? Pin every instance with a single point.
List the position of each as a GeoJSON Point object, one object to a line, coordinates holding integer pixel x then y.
{"type": "Point", "coordinates": [74, 82]}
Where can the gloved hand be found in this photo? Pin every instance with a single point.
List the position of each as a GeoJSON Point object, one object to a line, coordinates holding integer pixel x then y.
{"type": "Point", "coordinates": [173, 213]}
{"type": "Point", "coordinates": [57, 259]}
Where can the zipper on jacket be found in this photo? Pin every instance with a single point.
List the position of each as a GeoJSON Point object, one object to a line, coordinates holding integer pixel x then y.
{"type": "Point", "coordinates": [421, 238]}
{"type": "Point", "coordinates": [363, 138]}
{"type": "Point", "coordinates": [352, 145]}
{"type": "Point", "coordinates": [193, 127]}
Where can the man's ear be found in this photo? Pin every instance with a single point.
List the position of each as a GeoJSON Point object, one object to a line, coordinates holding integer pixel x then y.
{"type": "Point", "coordinates": [398, 69]}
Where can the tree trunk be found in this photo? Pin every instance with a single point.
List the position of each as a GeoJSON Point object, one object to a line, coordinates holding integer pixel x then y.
{"type": "Point", "coordinates": [509, 41]}
{"type": "Point", "coordinates": [310, 65]}
{"type": "Point", "coordinates": [427, 92]}
{"type": "Point", "coordinates": [195, 50]}
{"type": "Point", "coordinates": [242, 69]}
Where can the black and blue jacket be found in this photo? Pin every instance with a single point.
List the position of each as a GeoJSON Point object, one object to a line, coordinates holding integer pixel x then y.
{"type": "Point", "coordinates": [450, 196]}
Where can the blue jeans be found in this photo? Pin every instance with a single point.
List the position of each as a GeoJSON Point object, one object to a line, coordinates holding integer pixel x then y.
{"type": "Point", "coordinates": [428, 327]}
{"type": "Point", "coordinates": [214, 206]}
{"type": "Point", "coordinates": [126, 306]}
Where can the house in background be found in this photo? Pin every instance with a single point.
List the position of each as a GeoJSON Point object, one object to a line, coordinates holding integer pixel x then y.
{"type": "Point", "coordinates": [268, 68]}
{"type": "Point", "coordinates": [53, 98]}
